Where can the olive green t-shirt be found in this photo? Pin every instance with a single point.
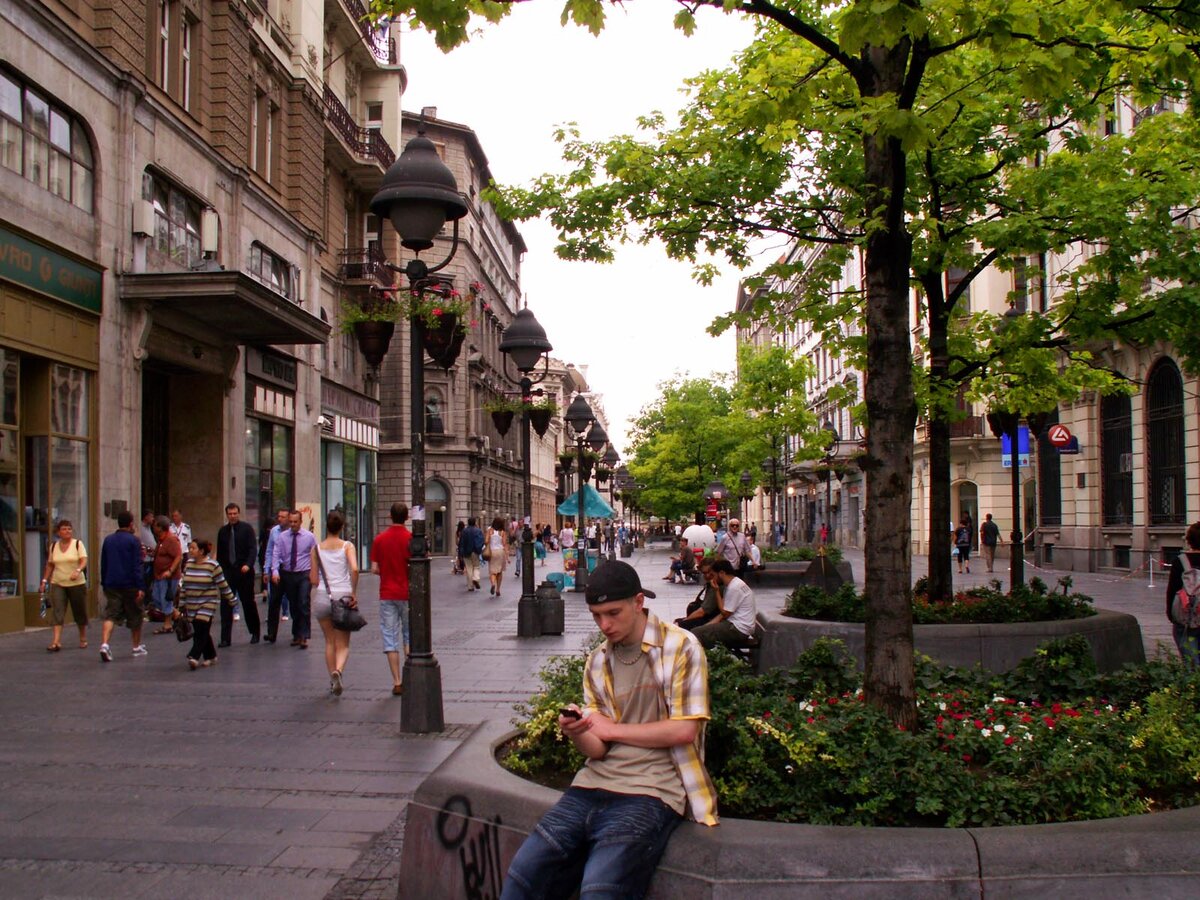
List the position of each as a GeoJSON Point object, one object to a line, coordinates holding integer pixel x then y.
{"type": "Point", "coordinates": [626, 769]}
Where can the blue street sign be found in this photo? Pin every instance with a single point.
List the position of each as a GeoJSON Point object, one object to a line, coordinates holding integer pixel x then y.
{"type": "Point", "coordinates": [1022, 448]}
{"type": "Point", "coordinates": [1071, 448]}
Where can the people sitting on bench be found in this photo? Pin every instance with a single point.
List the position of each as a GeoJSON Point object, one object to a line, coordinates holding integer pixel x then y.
{"type": "Point", "coordinates": [704, 608]}
{"type": "Point", "coordinates": [738, 611]}
{"type": "Point", "coordinates": [683, 564]}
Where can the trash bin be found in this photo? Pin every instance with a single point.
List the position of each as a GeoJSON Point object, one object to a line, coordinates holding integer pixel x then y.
{"type": "Point", "coordinates": [551, 603]}
{"type": "Point", "coordinates": [626, 549]}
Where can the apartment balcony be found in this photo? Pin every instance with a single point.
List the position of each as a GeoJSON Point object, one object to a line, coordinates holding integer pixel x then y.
{"type": "Point", "coordinates": [362, 152]}
{"type": "Point", "coordinates": [365, 265]}
{"type": "Point", "coordinates": [369, 42]}
{"type": "Point", "coordinates": [970, 427]}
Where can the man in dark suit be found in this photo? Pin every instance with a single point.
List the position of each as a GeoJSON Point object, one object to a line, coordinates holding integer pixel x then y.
{"type": "Point", "coordinates": [237, 548]}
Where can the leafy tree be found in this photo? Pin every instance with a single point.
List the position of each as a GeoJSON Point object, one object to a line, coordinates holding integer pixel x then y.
{"type": "Point", "coordinates": [681, 442]}
{"type": "Point", "coordinates": [818, 135]}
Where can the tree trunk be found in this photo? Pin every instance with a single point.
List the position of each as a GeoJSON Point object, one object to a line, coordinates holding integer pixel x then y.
{"type": "Point", "coordinates": [941, 585]}
{"type": "Point", "coordinates": [891, 410]}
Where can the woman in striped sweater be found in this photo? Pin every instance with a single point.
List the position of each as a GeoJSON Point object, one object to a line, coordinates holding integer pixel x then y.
{"type": "Point", "coordinates": [202, 589]}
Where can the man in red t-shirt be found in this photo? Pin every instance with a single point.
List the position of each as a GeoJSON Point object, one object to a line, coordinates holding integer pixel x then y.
{"type": "Point", "coordinates": [389, 560]}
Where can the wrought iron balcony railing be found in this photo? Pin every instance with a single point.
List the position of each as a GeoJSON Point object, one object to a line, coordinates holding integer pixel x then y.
{"type": "Point", "coordinates": [364, 264]}
{"type": "Point", "coordinates": [365, 142]}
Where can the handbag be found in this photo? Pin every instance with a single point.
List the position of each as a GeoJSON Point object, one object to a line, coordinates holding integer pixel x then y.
{"type": "Point", "coordinates": [183, 628]}
{"type": "Point", "coordinates": [487, 547]}
{"type": "Point", "coordinates": [342, 615]}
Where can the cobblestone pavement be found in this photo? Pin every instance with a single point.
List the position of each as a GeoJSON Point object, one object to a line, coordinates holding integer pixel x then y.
{"type": "Point", "coordinates": [139, 778]}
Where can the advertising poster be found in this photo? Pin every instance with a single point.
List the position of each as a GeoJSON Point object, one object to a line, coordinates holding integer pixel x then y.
{"type": "Point", "coordinates": [570, 560]}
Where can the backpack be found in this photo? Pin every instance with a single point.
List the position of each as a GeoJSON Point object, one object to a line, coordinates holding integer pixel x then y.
{"type": "Point", "coordinates": [1185, 605]}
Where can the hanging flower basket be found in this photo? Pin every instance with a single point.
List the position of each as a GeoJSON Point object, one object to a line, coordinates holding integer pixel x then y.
{"type": "Point", "coordinates": [444, 342]}
{"type": "Point", "coordinates": [602, 473]}
{"type": "Point", "coordinates": [565, 461]}
{"type": "Point", "coordinates": [502, 419]}
{"type": "Point", "coordinates": [539, 418]}
{"type": "Point", "coordinates": [374, 337]}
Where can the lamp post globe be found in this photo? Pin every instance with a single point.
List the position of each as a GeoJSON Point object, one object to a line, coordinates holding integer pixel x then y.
{"type": "Point", "coordinates": [524, 341]}
{"type": "Point", "coordinates": [419, 195]}
{"type": "Point", "coordinates": [579, 414]}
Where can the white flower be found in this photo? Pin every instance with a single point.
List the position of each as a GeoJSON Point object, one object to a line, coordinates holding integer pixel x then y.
{"type": "Point", "coordinates": [999, 726]}
{"type": "Point", "coordinates": [942, 705]}
{"type": "Point", "coordinates": [986, 732]}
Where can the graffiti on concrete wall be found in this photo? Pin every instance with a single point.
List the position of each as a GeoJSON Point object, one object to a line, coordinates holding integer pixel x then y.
{"type": "Point", "coordinates": [477, 845]}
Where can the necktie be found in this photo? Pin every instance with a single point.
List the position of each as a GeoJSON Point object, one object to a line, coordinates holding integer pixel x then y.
{"type": "Point", "coordinates": [232, 551]}
{"type": "Point", "coordinates": [294, 536]}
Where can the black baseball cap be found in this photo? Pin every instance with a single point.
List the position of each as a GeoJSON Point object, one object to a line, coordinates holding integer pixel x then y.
{"type": "Point", "coordinates": [614, 580]}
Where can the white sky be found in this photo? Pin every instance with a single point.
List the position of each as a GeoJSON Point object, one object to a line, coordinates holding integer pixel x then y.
{"type": "Point", "coordinates": [638, 320]}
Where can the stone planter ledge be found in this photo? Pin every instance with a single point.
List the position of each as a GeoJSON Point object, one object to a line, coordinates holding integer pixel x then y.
{"type": "Point", "coordinates": [470, 816]}
{"type": "Point", "coordinates": [1116, 639]}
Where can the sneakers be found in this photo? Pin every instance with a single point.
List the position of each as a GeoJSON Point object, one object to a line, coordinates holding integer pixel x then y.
{"type": "Point", "coordinates": [140, 650]}
{"type": "Point", "coordinates": [105, 653]}
{"type": "Point", "coordinates": [335, 684]}
{"type": "Point", "coordinates": [193, 664]}
{"type": "Point", "coordinates": [237, 617]}
{"type": "Point", "coordinates": [285, 618]}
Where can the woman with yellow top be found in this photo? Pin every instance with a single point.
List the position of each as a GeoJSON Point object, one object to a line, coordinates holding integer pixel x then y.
{"type": "Point", "coordinates": [63, 578]}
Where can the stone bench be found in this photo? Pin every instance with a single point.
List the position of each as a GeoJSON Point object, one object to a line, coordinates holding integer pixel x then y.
{"type": "Point", "coordinates": [470, 816]}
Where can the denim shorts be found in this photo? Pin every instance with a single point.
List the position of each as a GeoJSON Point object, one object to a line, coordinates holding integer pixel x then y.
{"type": "Point", "coordinates": [393, 616]}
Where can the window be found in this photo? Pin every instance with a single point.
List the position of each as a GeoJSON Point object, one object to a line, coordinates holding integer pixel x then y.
{"type": "Point", "coordinates": [268, 468]}
{"type": "Point", "coordinates": [1116, 460]}
{"type": "Point", "coordinates": [1020, 291]}
{"type": "Point", "coordinates": [1164, 445]}
{"type": "Point", "coordinates": [274, 271]}
{"type": "Point", "coordinates": [176, 219]}
{"type": "Point", "coordinates": [434, 423]}
{"type": "Point", "coordinates": [955, 276]}
{"type": "Point", "coordinates": [45, 143]}
{"type": "Point", "coordinates": [264, 136]}
{"type": "Point", "coordinates": [173, 40]}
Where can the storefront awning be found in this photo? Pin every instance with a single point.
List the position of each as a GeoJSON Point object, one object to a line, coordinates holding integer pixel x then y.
{"type": "Point", "coordinates": [227, 306]}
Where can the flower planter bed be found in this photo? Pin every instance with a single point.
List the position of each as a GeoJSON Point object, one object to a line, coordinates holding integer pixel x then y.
{"type": "Point", "coordinates": [1115, 638]}
{"type": "Point", "coordinates": [470, 816]}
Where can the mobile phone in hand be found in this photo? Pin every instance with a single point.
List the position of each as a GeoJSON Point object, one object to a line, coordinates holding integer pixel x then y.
{"type": "Point", "coordinates": [569, 713]}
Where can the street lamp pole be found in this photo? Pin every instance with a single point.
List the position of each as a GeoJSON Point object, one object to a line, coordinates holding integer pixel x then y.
{"type": "Point", "coordinates": [579, 416]}
{"type": "Point", "coordinates": [831, 450]}
{"type": "Point", "coordinates": [525, 343]}
{"type": "Point", "coordinates": [419, 195]}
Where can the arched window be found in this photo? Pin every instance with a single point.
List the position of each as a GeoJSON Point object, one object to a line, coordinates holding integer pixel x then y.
{"type": "Point", "coordinates": [1116, 460]}
{"type": "Point", "coordinates": [1164, 445]}
{"type": "Point", "coordinates": [42, 141]}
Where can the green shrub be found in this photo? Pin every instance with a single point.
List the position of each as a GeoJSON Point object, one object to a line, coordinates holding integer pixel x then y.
{"type": "Point", "coordinates": [978, 605]}
{"type": "Point", "coordinates": [1050, 741]}
{"type": "Point", "coordinates": [800, 554]}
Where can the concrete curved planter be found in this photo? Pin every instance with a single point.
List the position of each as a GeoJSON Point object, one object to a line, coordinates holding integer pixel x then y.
{"type": "Point", "coordinates": [1116, 639]}
{"type": "Point", "coordinates": [470, 816]}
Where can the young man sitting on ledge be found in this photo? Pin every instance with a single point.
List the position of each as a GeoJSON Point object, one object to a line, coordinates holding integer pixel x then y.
{"type": "Point", "coordinates": [739, 613]}
{"type": "Point", "coordinates": [641, 727]}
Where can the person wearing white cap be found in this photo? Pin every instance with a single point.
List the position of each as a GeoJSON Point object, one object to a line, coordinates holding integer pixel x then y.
{"type": "Point", "coordinates": [641, 728]}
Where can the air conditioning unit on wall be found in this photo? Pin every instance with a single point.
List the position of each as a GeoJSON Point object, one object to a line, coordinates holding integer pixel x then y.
{"type": "Point", "coordinates": [143, 217]}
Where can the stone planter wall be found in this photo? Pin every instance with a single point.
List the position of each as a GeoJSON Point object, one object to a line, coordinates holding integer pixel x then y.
{"type": "Point", "coordinates": [1116, 639]}
{"type": "Point", "coordinates": [470, 816]}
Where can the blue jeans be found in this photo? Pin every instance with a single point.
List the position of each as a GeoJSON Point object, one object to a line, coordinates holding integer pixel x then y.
{"type": "Point", "coordinates": [605, 845]}
{"type": "Point", "coordinates": [1188, 643]}
{"type": "Point", "coordinates": [393, 618]}
{"type": "Point", "coordinates": [163, 594]}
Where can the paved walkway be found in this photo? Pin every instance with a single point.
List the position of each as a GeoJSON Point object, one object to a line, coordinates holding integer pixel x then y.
{"type": "Point", "coordinates": [140, 778]}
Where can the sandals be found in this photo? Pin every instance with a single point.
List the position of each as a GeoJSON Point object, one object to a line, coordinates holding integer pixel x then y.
{"type": "Point", "coordinates": [167, 630]}
{"type": "Point", "coordinates": [54, 648]}
{"type": "Point", "coordinates": [83, 645]}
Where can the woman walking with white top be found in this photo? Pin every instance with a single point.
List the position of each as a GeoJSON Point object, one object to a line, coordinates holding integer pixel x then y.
{"type": "Point", "coordinates": [334, 576]}
{"type": "Point", "coordinates": [497, 555]}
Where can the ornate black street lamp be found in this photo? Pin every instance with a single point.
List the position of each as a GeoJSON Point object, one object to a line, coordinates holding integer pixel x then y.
{"type": "Point", "coordinates": [831, 450]}
{"type": "Point", "coordinates": [419, 195]}
{"type": "Point", "coordinates": [611, 458]}
{"type": "Point", "coordinates": [524, 342]}
{"type": "Point", "coordinates": [579, 416]}
{"type": "Point", "coordinates": [746, 495]}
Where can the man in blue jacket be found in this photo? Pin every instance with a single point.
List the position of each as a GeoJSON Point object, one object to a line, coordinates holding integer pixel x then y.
{"type": "Point", "coordinates": [122, 580]}
{"type": "Point", "coordinates": [470, 545]}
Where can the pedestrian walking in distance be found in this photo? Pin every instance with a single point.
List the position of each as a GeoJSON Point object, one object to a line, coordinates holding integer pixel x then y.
{"type": "Point", "coordinates": [989, 537]}
{"type": "Point", "coordinates": [204, 587]}
{"type": "Point", "coordinates": [497, 554]}
{"type": "Point", "coordinates": [390, 553]}
{"type": "Point", "coordinates": [290, 570]}
{"type": "Point", "coordinates": [236, 549]}
{"type": "Point", "coordinates": [64, 579]}
{"type": "Point", "coordinates": [122, 576]}
{"type": "Point", "coordinates": [334, 576]}
{"type": "Point", "coordinates": [470, 546]}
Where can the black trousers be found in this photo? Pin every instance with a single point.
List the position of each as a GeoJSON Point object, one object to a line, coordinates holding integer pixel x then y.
{"type": "Point", "coordinates": [242, 585]}
{"type": "Point", "coordinates": [297, 588]}
{"type": "Point", "coordinates": [274, 601]}
{"type": "Point", "coordinates": [202, 644]}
